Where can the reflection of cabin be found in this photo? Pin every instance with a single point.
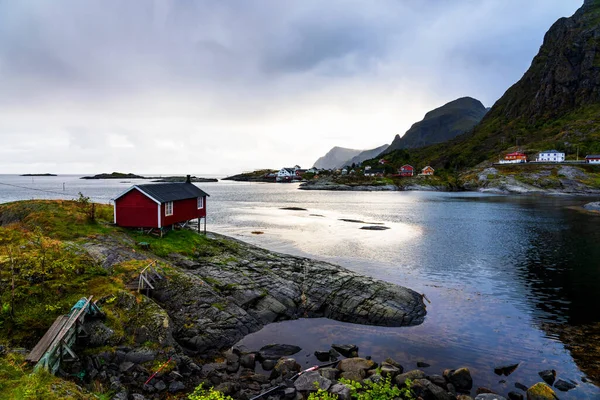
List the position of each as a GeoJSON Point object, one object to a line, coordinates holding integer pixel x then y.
{"type": "Point", "coordinates": [427, 171]}
{"type": "Point", "coordinates": [551, 155]}
{"type": "Point", "coordinates": [593, 159]}
{"type": "Point", "coordinates": [406, 170]}
{"type": "Point", "coordinates": [160, 205]}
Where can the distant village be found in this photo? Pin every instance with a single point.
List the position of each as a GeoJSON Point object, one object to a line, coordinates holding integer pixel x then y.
{"type": "Point", "coordinates": [297, 173]}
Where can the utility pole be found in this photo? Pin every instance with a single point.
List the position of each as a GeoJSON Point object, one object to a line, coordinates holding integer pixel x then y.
{"type": "Point", "coordinates": [577, 152]}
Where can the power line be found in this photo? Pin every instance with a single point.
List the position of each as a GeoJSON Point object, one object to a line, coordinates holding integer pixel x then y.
{"type": "Point", "coordinates": [49, 191]}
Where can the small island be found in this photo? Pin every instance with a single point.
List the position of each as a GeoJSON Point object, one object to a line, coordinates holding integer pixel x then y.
{"type": "Point", "coordinates": [260, 175]}
{"type": "Point", "coordinates": [46, 174]}
{"type": "Point", "coordinates": [121, 175]}
{"type": "Point", "coordinates": [193, 179]}
{"type": "Point", "coordinates": [114, 175]}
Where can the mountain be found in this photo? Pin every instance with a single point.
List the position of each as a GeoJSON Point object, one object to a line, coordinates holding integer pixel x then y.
{"type": "Point", "coordinates": [442, 124]}
{"type": "Point", "coordinates": [366, 155]}
{"type": "Point", "coordinates": [336, 157]}
{"type": "Point", "coordinates": [555, 105]}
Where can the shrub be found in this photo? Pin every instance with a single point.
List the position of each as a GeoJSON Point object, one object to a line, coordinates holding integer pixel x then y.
{"type": "Point", "coordinates": [201, 393]}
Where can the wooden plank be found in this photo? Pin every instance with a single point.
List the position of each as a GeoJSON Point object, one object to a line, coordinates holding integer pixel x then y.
{"type": "Point", "coordinates": [41, 347]}
{"type": "Point", "coordinates": [67, 326]}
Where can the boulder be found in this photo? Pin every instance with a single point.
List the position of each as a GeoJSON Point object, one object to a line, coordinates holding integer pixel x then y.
{"type": "Point", "coordinates": [140, 356]}
{"type": "Point", "coordinates": [268, 365]}
{"type": "Point", "coordinates": [286, 368]}
{"type": "Point", "coordinates": [176, 386]}
{"type": "Point", "coordinates": [357, 376]}
{"type": "Point", "coordinates": [322, 356]}
{"type": "Point", "coordinates": [248, 360]}
{"type": "Point", "coordinates": [548, 375]}
{"type": "Point", "coordinates": [289, 393]}
{"type": "Point", "coordinates": [311, 381]}
{"type": "Point", "coordinates": [137, 396]}
{"type": "Point", "coordinates": [329, 373]}
{"type": "Point", "coordinates": [389, 369]}
{"type": "Point", "coordinates": [159, 385]}
{"type": "Point", "coordinates": [438, 380]}
{"type": "Point", "coordinates": [276, 351]}
{"type": "Point", "coordinates": [426, 390]}
{"type": "Point", "coordinates": [489, 396]}
{"type": "Point", "coordinates": [541, 391]}
{"type": "Point", "coordinates": [347, 350]}
{"type": "Point", "coordinates": [460, 378]}
{"type": "Point", "coordinates": [341, 391]}
{"type": "Point", "coordinates": [356, 364]}
{"type": "Point", "coordinates": [564, 386]}
{"type": "Point", "coordinates": [515, 395]}
{"type": "Point", "coordinates": [412, 375]}
{"type": "Point", "coordinates": [519, 385]}
{"type": "Point", "coordinates": [396, 364]}
{"type": "Point", "coordinates": [421, 364]}
{"type": "Point", "coordinates": [125, 366]}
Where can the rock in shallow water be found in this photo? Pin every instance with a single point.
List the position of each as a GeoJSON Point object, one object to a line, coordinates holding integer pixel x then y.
{"type": "Point", "coordinates": [541, 391]}
{"type": "Point", "coordinates": [548, 375]}
{"type": "Point", "coordinates": [564, 386]}
{"type": "Point", "coordinates": [276, 351]}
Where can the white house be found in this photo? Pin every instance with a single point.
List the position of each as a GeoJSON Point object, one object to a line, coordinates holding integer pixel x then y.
{"type": "Point", "coordinates": [593, 159]}
{"type": "Point", "coordinates": [344, 171]}
{"type": "Point", "coordinates": [551, 155]}
{"type": "Point", "coordinates": [286, 174]}
{"type": "Point", "coordinates": [313, 170]}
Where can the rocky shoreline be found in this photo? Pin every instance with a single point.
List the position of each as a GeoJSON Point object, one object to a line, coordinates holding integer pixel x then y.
{"type": "Point", "coordinates": [208, 302]}
{"type": "Point", "coordinates": [274, 373]}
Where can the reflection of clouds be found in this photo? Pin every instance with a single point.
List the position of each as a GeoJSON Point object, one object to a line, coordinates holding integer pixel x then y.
{"type": "Point", "coordinates": [307, 232]}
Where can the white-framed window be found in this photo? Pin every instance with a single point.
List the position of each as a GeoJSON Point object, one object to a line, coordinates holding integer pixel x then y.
{"type": "Point", "coordinates": [200, 202]}
{"type": "Point", "coordinates": [168, 208]}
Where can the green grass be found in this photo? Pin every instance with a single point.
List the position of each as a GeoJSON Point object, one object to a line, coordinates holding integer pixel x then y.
{"type": "Point", "coordinates": [18, 382]}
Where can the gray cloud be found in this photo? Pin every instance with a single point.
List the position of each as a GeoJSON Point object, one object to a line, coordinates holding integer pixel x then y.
{"type": "Point", "coordinates": [96, 77]}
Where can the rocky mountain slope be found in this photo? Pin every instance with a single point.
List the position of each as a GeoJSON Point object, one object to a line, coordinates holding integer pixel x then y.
{"type": "Point", "coordinates": [442, 124]}
{"type": "Point", "coordinates": [556, 104]}
{"type": "Point", "coordinates": [336, 157]}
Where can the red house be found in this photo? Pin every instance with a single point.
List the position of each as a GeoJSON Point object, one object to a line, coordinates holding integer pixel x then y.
{"type": "Point", "coordinates": [160, 205]}
{"type": "Point", "coordinates": [406, 170]}
{"type": "Point", "coordinates": [516, 156]}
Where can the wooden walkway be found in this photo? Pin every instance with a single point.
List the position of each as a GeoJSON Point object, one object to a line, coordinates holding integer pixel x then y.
{"type": "Point", "coordinates": [55, 346]}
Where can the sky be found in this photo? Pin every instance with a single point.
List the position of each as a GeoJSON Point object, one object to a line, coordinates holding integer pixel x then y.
{"type": "Point", "coordinates": [220, 87]}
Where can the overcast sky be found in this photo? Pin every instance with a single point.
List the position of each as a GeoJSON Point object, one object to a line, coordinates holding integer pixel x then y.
{"type": "Point", "coordinates": [217, 87]}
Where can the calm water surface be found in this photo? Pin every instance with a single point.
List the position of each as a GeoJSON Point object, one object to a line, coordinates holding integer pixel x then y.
{"type": "Point", "coordinates": [497, 269]}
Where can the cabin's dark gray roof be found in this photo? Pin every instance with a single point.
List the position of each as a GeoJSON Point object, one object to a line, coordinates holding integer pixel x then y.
{"type": "Point", "coordinates": [164, 192]}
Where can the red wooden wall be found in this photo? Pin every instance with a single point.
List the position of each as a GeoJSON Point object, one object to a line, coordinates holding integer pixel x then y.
{"type": "Point", "coordinates": [134, 209]}
{"type": "Point", "coordinates": [183, 210]}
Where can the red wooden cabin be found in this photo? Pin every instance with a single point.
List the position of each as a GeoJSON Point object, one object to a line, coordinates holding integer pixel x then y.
{"type": "Point", "coordinates": [160, 205]}
{"type": "Point", "coordinates": [517, 155]}
{"type": "Point", "coordinates": [406, 170]}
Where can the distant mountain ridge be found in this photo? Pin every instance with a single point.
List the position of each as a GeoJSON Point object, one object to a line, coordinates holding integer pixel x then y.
{"type": "Point", "coordinates": [366, 155]}
{"type": "Point", "coordinates": [339, 157]}
{"type": "Point", "coordinates": [442, 124]}
{"type": "Point", "coordinates": [336, 157]}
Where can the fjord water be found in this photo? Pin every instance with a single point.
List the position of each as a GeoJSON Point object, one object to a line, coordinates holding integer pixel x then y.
{"type": "Point", "coordinates": [500, 271]}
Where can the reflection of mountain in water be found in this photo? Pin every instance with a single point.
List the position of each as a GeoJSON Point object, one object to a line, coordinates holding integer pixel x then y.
{"type": "Point", "coordinates": [561, 272]}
